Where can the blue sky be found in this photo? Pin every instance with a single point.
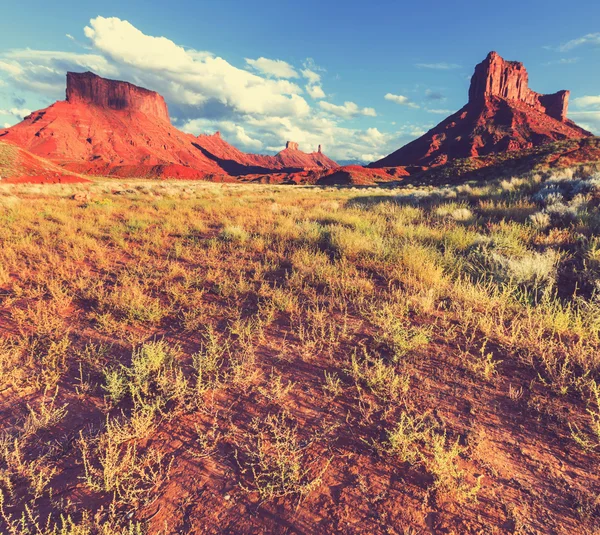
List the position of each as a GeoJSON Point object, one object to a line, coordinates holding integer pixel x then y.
{"type": "Point", "coordinates": [361, 78]}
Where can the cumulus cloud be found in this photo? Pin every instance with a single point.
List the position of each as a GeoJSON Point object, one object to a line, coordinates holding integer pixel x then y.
{"type": "Point", "coordinates": [273, 67]}
{"type": "Point", "coordinates": [312, 76]}
{"type": "Point", "coordinates": [347, 110]}
{"type": "Point", "coordinates": [19, 113]}
{"type": "Point", "coordinates": [339, 142]}
{"type": "Point", "coordinates": [588, 101]}
{"type": "Point", "coordinates": [588, 116]}
{"type": "Point", "coordinates": [257, 106]}
{"type": "Point", "coordinates": [43, 71]}
{"type": "Point", "coordinates": [588, 39]}
{"type": "Point", "coordinates": [373, 134]}
{"type": "Point", "coordinates": [439, 66]}
{"type": "Point", "coordinates": [310, 72]}
{"type": "Point", "coordinates": [315, 91]}
{"type": "Point", "coordinates": [400, 99]}
{"type": "Point", "coordinates": [590, 120]}
{"type": "Point", "coordinates": [190, 77]}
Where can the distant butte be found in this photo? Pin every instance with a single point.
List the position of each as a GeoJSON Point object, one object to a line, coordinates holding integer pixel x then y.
{"type": "Point", "coordinates": [110, 127]}
{"type": "Point", "coordinates": [90, 88]}
{"type": "Point", "coordinates": [502, 114]}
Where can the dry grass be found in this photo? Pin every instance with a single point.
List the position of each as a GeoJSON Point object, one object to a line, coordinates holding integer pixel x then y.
{"type": "Point", "coordinates": [308, 351]}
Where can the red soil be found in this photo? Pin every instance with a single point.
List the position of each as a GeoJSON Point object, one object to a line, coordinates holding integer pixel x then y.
{"type": "Point", "coordinates": [46, 179]}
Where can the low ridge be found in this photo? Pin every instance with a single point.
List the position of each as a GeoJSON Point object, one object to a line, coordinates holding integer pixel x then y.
{"type": "Point", "coordinates": [502, 114]}
{"type": "Point", "coordinates": [235, 162]}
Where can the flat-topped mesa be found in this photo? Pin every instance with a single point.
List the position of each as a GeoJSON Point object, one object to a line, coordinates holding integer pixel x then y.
{"type": "Point", "coordinates": [495, 77]}
{"type": "Point", "coordinates": [89, 88]}
{"type": "Point", "coordinates": [292, 145]}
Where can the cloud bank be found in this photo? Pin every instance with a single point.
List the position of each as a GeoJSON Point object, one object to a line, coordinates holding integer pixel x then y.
{"type": "Point", "coordinates": [257, 106]}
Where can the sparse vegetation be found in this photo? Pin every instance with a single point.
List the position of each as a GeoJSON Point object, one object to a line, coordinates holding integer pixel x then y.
{"type": "Point", "coordinates": [173, 352]}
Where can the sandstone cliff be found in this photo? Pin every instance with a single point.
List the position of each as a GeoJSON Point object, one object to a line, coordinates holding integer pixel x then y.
{"type": "Point", "coordinates": [502, 114]}
{"type": "Point", "coordinates": [89, 88]}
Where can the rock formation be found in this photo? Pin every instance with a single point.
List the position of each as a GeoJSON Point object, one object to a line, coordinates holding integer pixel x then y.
{"type": "Point", "coordinates": [109, 127]}
{"type": "Point", "coordinates": [89, 88]}
{"type": "Point", "coordinates": [502, 114]}
{"type": "Point", "coordinates": [235, 162]}
{"type": "Point", "coordinates": [495, 77]}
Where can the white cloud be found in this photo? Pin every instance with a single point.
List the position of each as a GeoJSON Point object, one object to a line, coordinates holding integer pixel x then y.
{"type": "Point", "coordinates": [246, 140]}
{"type": "Point", "coordinates": [373, 135]}
{"type": "Point", "coordinates": [7, 125]}
{"type": "Point", "coordinates": [253, 110]}
{"type": "Point", "coordinates": [11, 68]}
{"type": "Point", "coordinates": [191, 78]}
{"type": "Point", "coordinates": [124, 43]}
{"type": "Point", "coordinates": [315, 91]}
{"type": "Point", "coordinates": [368, 158]}
{"type": "Point", "coordinates": [310, 72]}
{"type": "Point", "coordinates": [312, 76]}
{"type": "Point", "coordinates": [438, 111]}
{"type": "Point", "coordinates": [19, 113]}
{"type": "Point", "coordinates": [43, 71]}
{"type": "Point", "coordinates": [273, 67]}
{"type": "Point", "coordinates": [439, 66]}
{"type": "Point", "coordinates": [348, 110]}
{"type": "Point", "coordinates": [417, 132]}
{"type": "Point", "coordinates": [588, 101]}
{"type": "Point", "coordinates": [340, 143]}
{"type": "Point", "coordinates": [400, 99]}
{"type": "Point", "coordinates": [590, 120]}
{"type": "Point", "coordinates": [589, 39]}
{"type": "Point", "coordinates": [96, 62]}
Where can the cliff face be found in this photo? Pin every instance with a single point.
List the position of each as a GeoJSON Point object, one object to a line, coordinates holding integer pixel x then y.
{"type": "Point", "coordinates": [89, 88]}
{"type": "Point", "coordinates": [496, 77]}
{"type": "Point", "coordinates": [502, 114]}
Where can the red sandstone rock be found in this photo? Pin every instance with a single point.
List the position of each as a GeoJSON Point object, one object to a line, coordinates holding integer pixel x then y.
{"type": "Point", "coordinates": [112, 128]}
{"type": "Point", "coordinates": [236, 162]}
{"type": "Point", "coordinates": [502, 114]}
{"type": "Point", "coordinates": [89, 88]}
{"type": "Point", "coordinates": [495, 77]}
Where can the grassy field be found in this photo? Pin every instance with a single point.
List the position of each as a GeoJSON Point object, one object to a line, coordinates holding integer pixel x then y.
{"type": "Point", "coordinates": [201, 358]}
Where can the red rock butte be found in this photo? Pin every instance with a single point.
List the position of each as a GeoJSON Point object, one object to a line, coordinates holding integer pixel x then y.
{"type": "Point", "coordinates": [496, 77]}
{"type": "Point", "coordinates": [90, 88]}
{"type": "Point", "coordinates": [502, 114]}
{"type": "Point", "coordinates": [114, 128]}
